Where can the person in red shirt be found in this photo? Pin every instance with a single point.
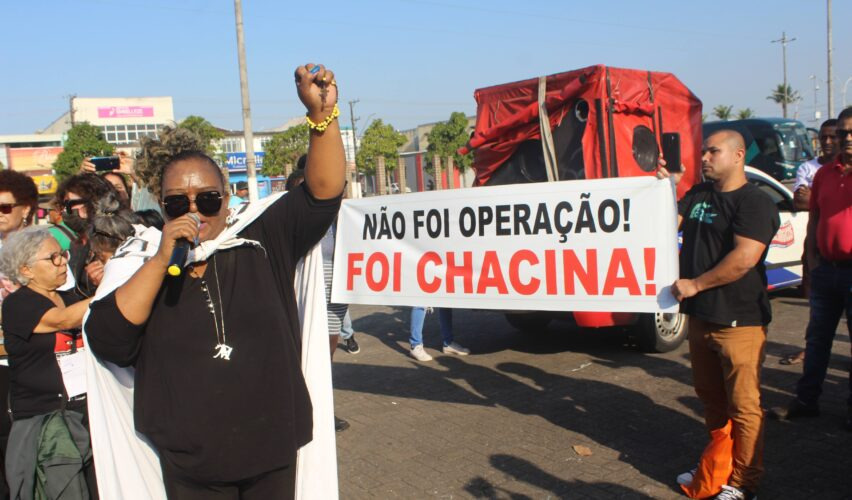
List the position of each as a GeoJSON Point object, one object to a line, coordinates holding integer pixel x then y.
{"type": "Point", "coordinates": [830, 264]}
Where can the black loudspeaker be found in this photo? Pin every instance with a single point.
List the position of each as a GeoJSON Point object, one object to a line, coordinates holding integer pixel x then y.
{"type": "Point", "coordinates": [527, 162]}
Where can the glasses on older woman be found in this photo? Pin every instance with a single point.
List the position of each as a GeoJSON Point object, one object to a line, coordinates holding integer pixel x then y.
{"type": "Point", "coordinates": [56, 258]}
{"type": "Point", "coordinates": [6, 208]}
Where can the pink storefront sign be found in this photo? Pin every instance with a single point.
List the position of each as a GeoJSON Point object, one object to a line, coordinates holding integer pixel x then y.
{"type": "Point", "coordinates": [125, 111]}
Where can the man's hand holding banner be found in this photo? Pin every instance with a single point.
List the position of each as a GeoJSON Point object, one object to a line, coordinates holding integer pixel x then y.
{"type": "Point", "coordinates": [593, 245]}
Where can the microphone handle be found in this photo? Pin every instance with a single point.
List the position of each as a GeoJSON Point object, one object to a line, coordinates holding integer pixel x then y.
{"type": "Point", "coordinates": [178, 258]}
{"type": "Point", "coordinates": [181, 251]}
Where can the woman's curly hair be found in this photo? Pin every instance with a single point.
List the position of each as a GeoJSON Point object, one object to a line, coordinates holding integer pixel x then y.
{"type": "Point", "coordinates": [157, 153]}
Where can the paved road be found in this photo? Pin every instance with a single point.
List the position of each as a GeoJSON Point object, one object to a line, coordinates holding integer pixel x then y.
{"type": "Point", "coordinates": [502, 422]}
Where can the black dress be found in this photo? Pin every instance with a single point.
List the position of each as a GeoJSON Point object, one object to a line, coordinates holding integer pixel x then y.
{"type": "Point", "coordinates": [212, 419]}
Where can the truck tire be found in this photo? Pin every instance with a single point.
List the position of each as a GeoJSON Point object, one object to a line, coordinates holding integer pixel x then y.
{"type": "Point", "coordinates": [529, 322]}
{"type": "Point", "coordinates": [661, 332]}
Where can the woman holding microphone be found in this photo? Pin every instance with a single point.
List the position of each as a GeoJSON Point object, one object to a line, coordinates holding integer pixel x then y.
{"type": "Point", "coordinates": [219, 389]}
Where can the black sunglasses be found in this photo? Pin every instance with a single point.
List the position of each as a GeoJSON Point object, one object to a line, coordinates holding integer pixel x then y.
{"type": "Point", "coordinates": [208, 203]}
{"type": "Point", "coordinates": [841, 133]}
{"type": "Point", "coordinates": [70, 204]}
{"type": "Point", "coordinates": [6, 208]}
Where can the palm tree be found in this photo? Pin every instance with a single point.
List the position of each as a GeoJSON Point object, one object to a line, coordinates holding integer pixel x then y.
{"type": "Point", "coordinates": [723, 112]}
{"type": "Point", "coordinates": [745, 113]}
{"type": "Point", "coordinates": [784, 96]}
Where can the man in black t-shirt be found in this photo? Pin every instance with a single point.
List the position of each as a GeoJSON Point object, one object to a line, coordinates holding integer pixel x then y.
{"type": "Point", "coordinates": [727, 226]}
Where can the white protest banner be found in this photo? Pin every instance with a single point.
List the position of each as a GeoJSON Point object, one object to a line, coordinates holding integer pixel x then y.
{"type": "Point", "coordinates": [591, 245]}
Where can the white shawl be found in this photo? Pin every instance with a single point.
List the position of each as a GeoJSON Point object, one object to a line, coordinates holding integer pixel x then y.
{"type": "Point", "coordinates": [126, 463]}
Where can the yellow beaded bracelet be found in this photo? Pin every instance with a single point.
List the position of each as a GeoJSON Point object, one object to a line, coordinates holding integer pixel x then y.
{"type": "Point", "coordinates": [321, 126]}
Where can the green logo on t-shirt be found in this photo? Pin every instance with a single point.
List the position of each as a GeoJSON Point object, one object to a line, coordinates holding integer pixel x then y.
{"type": "Point", "coordinates": [701, 213]}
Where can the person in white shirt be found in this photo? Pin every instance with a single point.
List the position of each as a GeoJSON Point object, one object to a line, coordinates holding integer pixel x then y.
{"type": "Point", "coordinates": [806, 171]}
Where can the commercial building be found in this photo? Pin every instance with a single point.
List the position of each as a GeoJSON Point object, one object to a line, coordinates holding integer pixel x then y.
{"type": "Point", "coordinates": [32, 154]}
{"type": "Point", "coordinates": [414, 154]}
{"type": "Point", "coordinates": [123, 120]}
{"type": "Point", "coordinates": [233, 149]}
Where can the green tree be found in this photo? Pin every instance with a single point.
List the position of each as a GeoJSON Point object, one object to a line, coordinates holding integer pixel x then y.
{"type": "Point", "coordinates": [744, 114]}
{"type": "Point", "coordinates": [447, 137]}
{"type": "Point", "coordinates": [205, 130]}
{"type": "Point", "coordinates": [379, 139]}
{"type": "Point", "coordinates": [784, 96]}
{"type": "Point", "coordinates": [723, 112]}
{"type": "Point", "coordinates": [83, 140]}
{"type": "Point", "coordinates": [285, 148]}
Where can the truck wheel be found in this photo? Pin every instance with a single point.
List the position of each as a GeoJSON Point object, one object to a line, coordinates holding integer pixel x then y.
{"type": "Point", "coordinates": [528, 322]}
{"type": "Point", "coordinates": [661, 332]}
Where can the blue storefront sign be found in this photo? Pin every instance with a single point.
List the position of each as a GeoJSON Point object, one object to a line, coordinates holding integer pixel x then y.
{"type": "Point", "coordinates": [236, 162]}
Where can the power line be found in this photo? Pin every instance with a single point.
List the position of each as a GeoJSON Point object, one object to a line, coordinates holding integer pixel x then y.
{"type": "Point", "coordinates": [580, 21]}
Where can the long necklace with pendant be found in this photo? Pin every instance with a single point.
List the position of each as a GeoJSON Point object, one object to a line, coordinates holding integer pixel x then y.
{"type": "Point", "coordinates": [223, 350]}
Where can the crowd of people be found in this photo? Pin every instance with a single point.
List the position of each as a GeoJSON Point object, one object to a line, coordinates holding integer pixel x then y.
{"type": "Point", "coordinates": [727, 227]}
{"type": "Point", "coordinates": [215, 349]}
{"type": "Point", "coordinates": [218, 347]}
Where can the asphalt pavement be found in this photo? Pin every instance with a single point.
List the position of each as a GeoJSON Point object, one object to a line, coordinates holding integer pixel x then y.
{"type": "Point", "coordinates": [560, 413]}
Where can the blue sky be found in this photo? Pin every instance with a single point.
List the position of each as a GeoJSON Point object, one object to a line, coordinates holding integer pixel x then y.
{"type": "Point", "coordinates": [408, 61]}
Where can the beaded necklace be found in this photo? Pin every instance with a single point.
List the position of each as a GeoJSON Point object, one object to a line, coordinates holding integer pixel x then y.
{"type": "Point", "coordinates": [223, 350]}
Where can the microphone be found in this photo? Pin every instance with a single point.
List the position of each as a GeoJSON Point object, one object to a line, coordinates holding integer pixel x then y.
{"type": "Point", "coordinates": [178, 258]}
{"type": "Point", "coordinates": [180, 253]}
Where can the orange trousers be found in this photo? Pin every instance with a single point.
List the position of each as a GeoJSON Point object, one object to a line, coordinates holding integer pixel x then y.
{"type": "Point", "coordinates": [726, 365]}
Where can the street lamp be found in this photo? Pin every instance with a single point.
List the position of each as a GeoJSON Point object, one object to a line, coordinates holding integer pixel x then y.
{"type": "Point", "coordinates": [844, 91]}
{"type": "Point", "coordinates": [817, 114]}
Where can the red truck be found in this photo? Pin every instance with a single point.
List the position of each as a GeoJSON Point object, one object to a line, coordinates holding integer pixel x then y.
{"type": "Point", "coordinates": [598, 122]}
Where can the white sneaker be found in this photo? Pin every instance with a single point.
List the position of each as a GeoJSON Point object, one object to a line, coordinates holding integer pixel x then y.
{"type": "Point", "coordinates": [454, 348]}
{"type": "Point", "coordinates": [732, 493]}
{"type": "Point", "coordinates": [686, 477]}
{"type": "Point", "coordinates": [420, 354]}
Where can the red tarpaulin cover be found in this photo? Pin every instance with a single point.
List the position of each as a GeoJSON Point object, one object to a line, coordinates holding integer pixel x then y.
{"type": "Point", "coordinates": [507, 115]}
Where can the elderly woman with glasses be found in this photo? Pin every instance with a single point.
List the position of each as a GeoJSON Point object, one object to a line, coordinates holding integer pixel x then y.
{"type": "Point", "coordinates": [219, 390]}
{"type": "Point", "coordinates": [18, 204]}
{"type": "Point", "coordinates": [47, 393]}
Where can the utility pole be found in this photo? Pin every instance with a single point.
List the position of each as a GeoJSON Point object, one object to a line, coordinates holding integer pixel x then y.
{"type": "Point", "coordinates": [353, 120]}
{"type": "Point", "coordinates": [249, 137]}
{"type": "Point", "coordinates": [784, 41]}
{"type": "Point", "coordinates": [830, 82]}
{"type": "Point", "coordinates": [71, 107]}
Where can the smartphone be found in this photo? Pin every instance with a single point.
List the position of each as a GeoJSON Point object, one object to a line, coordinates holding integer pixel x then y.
{"type": "Point", "coordinates": [671, 151]}
{"type": "Point", "coordinates": [105, 163]}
